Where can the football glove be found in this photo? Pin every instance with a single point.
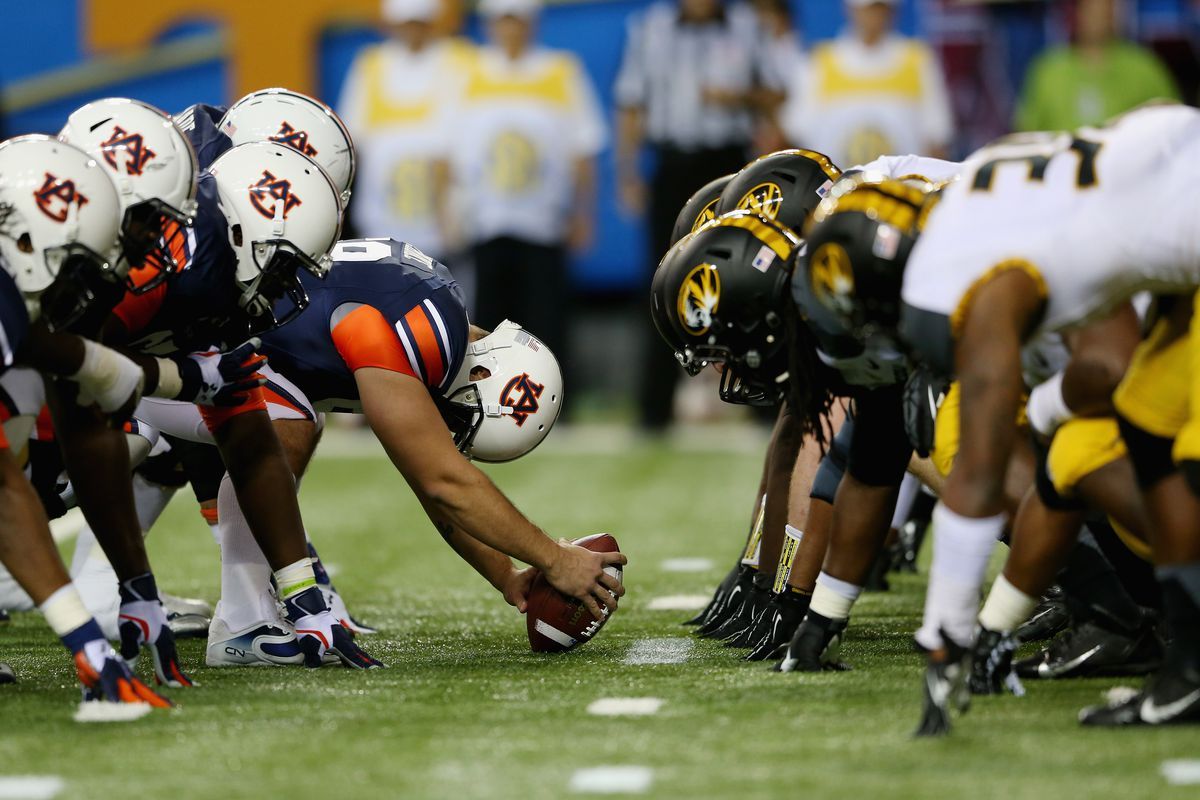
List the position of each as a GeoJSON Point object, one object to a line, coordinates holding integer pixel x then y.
{"type": "Point", "coordinates": [944, 688]}
{"type": "Point", "coordinates": [221, 379]}
{"type": "Point", "coordinates": [786, 611]}
{"type": "Point", "coordinates": [729, 603]}
{"type": "Point", "coordinates": [815, 646]}
{"type": "Point", "coordinates": [718, 598]}
{"type": "Point", "coordinates": [318, 632]}
{"type": "Point", "coordinates": [143, 623]}
{"type": "Point", "coordinates": [105, 676]}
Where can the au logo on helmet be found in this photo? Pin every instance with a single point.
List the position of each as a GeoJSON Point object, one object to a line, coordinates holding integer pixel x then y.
{"type": "Point", "coordinates": [270, 191]}
{"type": "Point", "coordinates": [763, 199]}
{"type": "Point", "coordinates": [699, 296]}
{"type": "Point", "coordinates": [133, 145]}
{"type": "Point", "coordinates": [521, 394]}
{"type": "Point", "coordinates": [297, 140]}
{"type": "Point", "coordinates": [55, 197]}
{"type": "Point", "coordinates": [832, 277]}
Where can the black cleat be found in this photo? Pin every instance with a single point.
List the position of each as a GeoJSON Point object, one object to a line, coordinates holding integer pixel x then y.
{"type": "Point", "coordinates": [991, 664]}
{"type": "Point", "coordinates": [944, 688]}
{"type": "Point", "coordinates": [6, 674]}
{"type": "Point", "coordinates": [718, 598]}
{"type": "Point", "coordinates": [3, 615]}
{"type": "Point", "coordinates": [786, 612]}
{"type": "Point", "coordinates": [1090, 649]}
{"type": "Point", "coordinates": [815, 646]}
{"type": "Point", "coordinates": [1170, 697]}
{"type": "Point", "coordinates": [1049, 618]}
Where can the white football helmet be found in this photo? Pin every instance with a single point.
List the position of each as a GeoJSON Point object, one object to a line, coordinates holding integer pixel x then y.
{"type": "Point", "coordinates": [513, 400]}
{"type": "Point", "coordinates": [59, 222]}
{"type": "Point", "coordinates": [284, 214]}
{"type": "Point", "coordinates": [155, 170]}
{"type": "Point", "coordinates": [300, 122]}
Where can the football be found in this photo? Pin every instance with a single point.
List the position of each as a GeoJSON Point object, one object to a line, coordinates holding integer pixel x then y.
{"type": "Point", "coordinates": [557, 623]}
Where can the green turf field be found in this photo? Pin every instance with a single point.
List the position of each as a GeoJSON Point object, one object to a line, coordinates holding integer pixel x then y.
{"type": "Point", "coordinates": [466, 711]}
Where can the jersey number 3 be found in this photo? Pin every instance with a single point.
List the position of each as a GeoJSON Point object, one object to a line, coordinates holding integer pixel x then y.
{"type": "Point", "coordinates": [1085, 176]}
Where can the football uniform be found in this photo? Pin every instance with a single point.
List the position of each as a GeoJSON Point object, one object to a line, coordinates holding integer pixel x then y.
{"type": "Point", "coordinates": [1082, 214]}
{"type": "Point", "coordinates": [200, 124]}
{"type": "Point", "coordinates": [14, 325]}
{"type": "Point", "coordinates": [384, 304]}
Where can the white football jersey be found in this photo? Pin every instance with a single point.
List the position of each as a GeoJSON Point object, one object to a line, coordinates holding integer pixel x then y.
{"type": "Point", "coordinates": [933, 170]}
{"type": "Point", "coordinates": [1099, 214]}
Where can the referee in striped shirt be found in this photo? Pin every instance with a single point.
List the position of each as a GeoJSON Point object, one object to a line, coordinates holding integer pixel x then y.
{"type": "Point", "coordinates": [695, 75]}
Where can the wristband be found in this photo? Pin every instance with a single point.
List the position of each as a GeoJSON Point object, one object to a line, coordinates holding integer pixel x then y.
{"type": "Point", "coordinates": [64, 610]}
{"type": "Point", "coordinates": [1046, 407]}
{"type": "Point", "coordinates": [170, 383]}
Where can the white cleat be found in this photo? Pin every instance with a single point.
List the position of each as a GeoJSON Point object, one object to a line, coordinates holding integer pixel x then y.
{"type": "Point", "coordinates": [260, 644]}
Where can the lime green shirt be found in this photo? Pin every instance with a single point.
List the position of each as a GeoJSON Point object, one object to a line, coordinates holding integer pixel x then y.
{"type": "Point", "coordinates": [1063, 90]}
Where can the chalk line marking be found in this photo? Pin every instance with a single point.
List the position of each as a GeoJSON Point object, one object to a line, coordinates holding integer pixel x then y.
{"type": "Point", "coordinates": [674, 650]}
{"type": "Point", "coordinates": [687, 564]}
{"type": "Point", "coordinates": [625, 706]}
{"type": "Point", "coordinates": [611, 780]}
{"type": "Point", "coordinates": [679, 602]}
{"type": "Point", "coordinates": [1181, 771]}
{"type": "Point", "coordinates": [30, 787]}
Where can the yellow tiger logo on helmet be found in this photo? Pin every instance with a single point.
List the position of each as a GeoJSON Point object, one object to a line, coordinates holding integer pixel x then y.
{"type": "Point", "coordinates": [763, 199]}
{"type": "Point", "coordinates": [831, 276]}
{"type": "Point", "coordinates": [699, 296]}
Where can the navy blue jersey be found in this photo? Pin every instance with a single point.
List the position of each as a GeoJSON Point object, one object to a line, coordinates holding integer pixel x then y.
{"type": "Point", "coordinates": [199, 122]}
{"type": "Point", "coordinates": [14, 320]}
{"type": "Point", "coordinates": [198, 308]}
{"type": "Point", "coordinates": [383, 304]}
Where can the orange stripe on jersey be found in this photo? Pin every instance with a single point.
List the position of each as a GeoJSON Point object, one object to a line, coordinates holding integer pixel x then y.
{"type": "Point", "coordinates": [216, 416]}
{"type": "Point", "coordinates": [136, 310]}
{"type": "Point", "coordinates": [44, 427]}
{"type": "Point", "coordinates": [365, 339]}
{"type": "Point", "coordinates": [426, 342]}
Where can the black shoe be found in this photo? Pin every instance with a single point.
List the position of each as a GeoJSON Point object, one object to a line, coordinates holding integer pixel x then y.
{"type": "Point", "coordinates": [991, 664]}
{"type": "Point", "coordinates": [1049, 618]}
{"type": "Point", "coordinates": [1090, 649]}
{"type": "Point", "coordinates": [754, 602]}
{"type": "Point", "coordinates": [6, 674]}
{"type": "Point", "coordinates": [4, 615]}
{"type": "Point", "coordinates": [718, 598]}
{"type": "Point", "coordinates": [944, 688]}
{"type": "Point", "coordinates": [1172, 696]}
{"type": "Point", "coordinates": [815, 646]}
{"type": "Point", "coordinates": [786, 612]}
{"type": "Point", "coordinates": [731, 604]}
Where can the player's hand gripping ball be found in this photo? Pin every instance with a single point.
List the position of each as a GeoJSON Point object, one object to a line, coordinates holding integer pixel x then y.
{"type": "Point", "coordinates": [556, 622]}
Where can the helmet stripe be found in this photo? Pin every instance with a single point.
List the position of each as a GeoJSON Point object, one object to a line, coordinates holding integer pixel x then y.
{"type": "Point", "coordinates": [770, 236]}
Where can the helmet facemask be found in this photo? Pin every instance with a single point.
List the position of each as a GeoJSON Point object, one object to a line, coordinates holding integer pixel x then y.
{"type": "Point", "coordinates": [82, 277]}
{"type": "Point", "coordinates": [153, 243]}
{"type": "Point", "coordinates": [276, 296]}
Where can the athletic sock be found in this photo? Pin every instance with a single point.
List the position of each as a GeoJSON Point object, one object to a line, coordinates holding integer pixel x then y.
{"type": "Point", "coordinates": [245, 574]}
{"type": "Point", "coordinates": [1006, 607]}
{"type": "Point", "coordinates": [961, 549]}
{"type": "Point", "coordinates": [1094, 591]}
{"type": "Point", "coordinates": [1181, 601]}
{"type": "Point", "coordinates": [833, 598]}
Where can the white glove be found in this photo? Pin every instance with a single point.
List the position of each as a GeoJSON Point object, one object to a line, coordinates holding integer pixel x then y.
{"type": "Point", "coordinates": [1046, 408]}
{"type": "Point", "coordinates": [107, 378]}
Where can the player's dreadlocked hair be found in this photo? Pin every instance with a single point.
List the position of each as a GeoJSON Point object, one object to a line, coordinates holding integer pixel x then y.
{"type": "Point", "coordinates": [809, 395]}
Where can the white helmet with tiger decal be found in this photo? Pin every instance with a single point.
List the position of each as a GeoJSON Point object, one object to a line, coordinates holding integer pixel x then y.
{"type": "Point", "coordinates": [299, 121]}
{"type": "Point", "coordinates": [59, 221]}
{"type": "Point", "coordinates": [154, 168]}
{"type": "Point", "coordinates": [506, 397]}
{"type": "Point", "coordinates": [284, 214]}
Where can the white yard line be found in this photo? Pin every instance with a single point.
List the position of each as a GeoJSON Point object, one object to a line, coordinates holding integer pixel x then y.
{"type": "Point", "coordinates": [30, 787]}
{"type": "Point", "coordinates": [1181, 771]}
{"type": "Point", "coordinates": [678, 602]}
{"type": "Point", "coordinates": [687, 564]}
{"type": "Point", "coordinates": [625, 706]}
{"type": "Point", "coordinates": [674, 650]}
{"type": "Point", "coordinates": [611, 780]}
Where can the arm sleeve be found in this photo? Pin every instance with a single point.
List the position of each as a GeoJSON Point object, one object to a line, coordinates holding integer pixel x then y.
{"type": "Point", "coordinates": [417, 345]}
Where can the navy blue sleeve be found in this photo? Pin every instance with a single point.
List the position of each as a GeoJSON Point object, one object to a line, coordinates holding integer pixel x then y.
{"type": "Point", "coordinates": [199, 122]}
{"type": "Point", "coordinates": [14, 320]}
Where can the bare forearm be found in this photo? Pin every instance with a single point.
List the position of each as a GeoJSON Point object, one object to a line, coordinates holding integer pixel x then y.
{"type": "Point", "coordinates": [489, 562]}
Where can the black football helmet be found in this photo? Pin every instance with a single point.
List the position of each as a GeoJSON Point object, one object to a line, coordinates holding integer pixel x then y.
{"type": "Point", "coordinates": [721, 296]}
{"type": "Point", "coordinates": [858, 245]}
{"type": "Point", "coordinates": [699, 209]}
{"type": "Point", "coordinates": [785, 187]}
